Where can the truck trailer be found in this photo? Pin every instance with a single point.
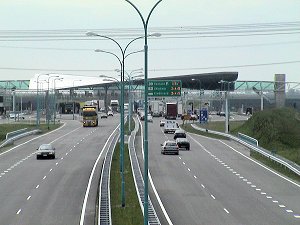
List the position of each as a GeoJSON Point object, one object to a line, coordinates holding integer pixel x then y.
{"type": "Point", "coordinates": [171, 111]}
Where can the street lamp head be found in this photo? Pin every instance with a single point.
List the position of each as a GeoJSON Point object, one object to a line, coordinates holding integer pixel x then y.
{"type": "Point", "coordinates": [102, 75]}
{"type": "Point", "coordinates": [91, 34]}
{"type": "Point", "coordinates": [155, 35]}
{"type": "Point", "coordinates": [98, 50]}
{"type": "Point", "coordinates": [117, 70]}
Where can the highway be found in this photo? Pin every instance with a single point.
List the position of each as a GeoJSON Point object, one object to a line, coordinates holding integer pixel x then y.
{"type": "Point", "coordinates": [51, 192]}
{"type": "Point", "coordinates": [218, 183]}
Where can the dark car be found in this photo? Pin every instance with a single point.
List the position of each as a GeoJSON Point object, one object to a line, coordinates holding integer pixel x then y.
{"type": "Point", "coordinates": [45, 151]}
{"type": "Point", "coordinates": [183, 143]}
{"type": "Point", "coordinates": [179, 134]}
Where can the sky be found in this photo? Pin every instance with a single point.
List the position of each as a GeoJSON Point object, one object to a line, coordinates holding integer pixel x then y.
{"type": "Point", "coordinates": [256, 38]}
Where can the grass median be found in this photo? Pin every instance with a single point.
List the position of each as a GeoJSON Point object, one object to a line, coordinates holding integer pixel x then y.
{"type": "Point", "coordinates": [131, 213]}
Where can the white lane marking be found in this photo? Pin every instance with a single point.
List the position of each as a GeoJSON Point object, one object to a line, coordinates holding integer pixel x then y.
{"type": "Point", "coordinates": [195, 177]}
{"type": "Point", "coordinates": [297, 216]}
{"type": "Point", "coordinates": [28, 197]}
{"type": "Point", "coordinates": [71, 149]}
{"type": "Point", "coordinates": [233, 172]}
{"type": "Point", "coordinates": [263, 193]}
{"type": "Point", "coordinates": [202, 185]}
{"type": "Point", "coordinates": [2, 173]}
{"type": "Point", "coordinates": [8, 169]}
{"type": "Point", "coordinates": [223, 163]}
{"type": "Point", "coordinates": [275, 201]}
{"type": "Point", "coordinates": [245, 180]}
{"type": "Point", "coordinates": [263, 166]}
{"type": "Point", "coordinates": [189, 169]}
{"type": "Point", "coordinates": [19, 211]}
{"type": "Point", "coordinates": [269, 197]}
{"type": "Point", "coordinates": [5, 171]}
{"type": "Point", "coordinates": [44, 177]}
{"type": "Point", "coordinates": [241, 177]}
{"type": "Point", "coordinates": [258, 189]}
{"type": "Point", "coordinates": [50, 170]}
{"type": "Point", "coordinates": [249, 182]}
{"type": "Point", "coordinates": [237, 174]}
{"type": "Point", "coordinates": [231, 169]}
{"type": "Point", "coordinates": [62, 158]}
{"type": "Point", "coordinates": [37, 186]}
{"type": "Point", "coordinates": [179, 157]}
{"type": "Point", "coordinates": [289, 211]}
{"type": "Point", "coordinates": [282, 206]}
{"type": "Point", "coordinates": [183, 163]}
{"type": "Point", "coordinates": [254, 186]}
{"type": "Point", "coordinates": [56, 163]}
{"type": "Point", "coordinates": [226, 211]}
{"type": "Point", "coordinates": [213, 196]}
{"type": "Point", "coordinates": [228, 167]}
{"type": "Point", "coordinates": [67, 153]}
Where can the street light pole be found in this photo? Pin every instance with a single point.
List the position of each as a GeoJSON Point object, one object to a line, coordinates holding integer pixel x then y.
{"type": "Point", "coordinates": [54, 89]}
{"type": "Point", "coordinates": [145, 25]}
{"type": "Point", "coordinates": [37, 99]}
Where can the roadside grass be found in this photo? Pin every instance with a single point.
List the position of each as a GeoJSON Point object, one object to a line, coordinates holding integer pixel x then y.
{"type": "Point", "coordinates": [274, 165]}
{"type": "Point", "coordinates": [6, 128]}
{"type": "Point", "coordinates": [188, 128]}
{"type": "Point", "coordinates": [131, 213]}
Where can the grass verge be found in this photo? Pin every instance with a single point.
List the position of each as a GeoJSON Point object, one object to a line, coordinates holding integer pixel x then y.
{"type": "Point", "coordinates": [6, 128]}
{"type": "Point", "coordinates": [131, 213]}
{"type": "Point", "coordinates": [189, 128]}
{"type": "Point", "coordinates": [272, 164]}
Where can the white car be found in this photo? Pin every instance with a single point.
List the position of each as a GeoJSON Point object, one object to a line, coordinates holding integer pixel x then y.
{"type": "Point", "coordinates": [169, 147]}
{"type": "Point", "coordinates": [150, 118]}
{"type": "Point", "coordinates": [110, 113]}
{"type": "Point", "coordinates": [16, 116]}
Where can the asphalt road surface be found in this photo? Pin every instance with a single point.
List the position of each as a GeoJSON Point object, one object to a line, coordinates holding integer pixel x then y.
{"type": "Point", "coordinates": [44, 192]}
{"type": "Point", "coordinates": [216, 182]}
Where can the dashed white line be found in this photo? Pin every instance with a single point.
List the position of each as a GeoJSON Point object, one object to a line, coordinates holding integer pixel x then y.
{"type": "Point", "coordinates": [269, 197]}
{"type": "Point", "coordinates": [183, 163]}
{"type": "Point", "coordinates": [233, 172]}
{"type": "Point", "coordinates": [263, 193]}
{"type": "Point", "coordinates": [50, 170]}
{"type": "Point", "coordinates": [179, 157]}
{"type": "Point", "coordinates": [258, 189]}
{"type": "Point", "coordinates": [19, 211]}
{"type": "Point", "coordinates": [275, 201]}
{"type": "Point", "coordinates": [5, 171]}
{"type": "Point", "coordinates": [37, 186]}
{"type": "Point", "coordinates": [241, 177]}
{"type": "Point", "coordinates": [213, 196]}
{"type": "Point", "coordinates": [226, 211]}
{"type": "Point", "coordinates": [28, 197]}
{"type": "Point", "coordinates": [245, 180]}
{"type": "Point", "coordinates": [62, 158]}
{"type": "Point", "coordinates": [254, 186]}
{"type": "Point", "coordinates": [202, 185]}
{"type": "Point", "coordinates": [249, 182]}
{"type": "Point", "coordinates": [189, 169]}
{"type": "Point", "coordinates": [289, 211]}
{"type": "Point", "coordinates": [2, 173]}
{"type": "Point", "coordinates": [195, 177]}
{"type": "Point", "coordinates": [56, 163]}
{"type": "Point", "coordinates": [237, 174]}
{"type": "Point", "coordinates": [67, 153]}
{"type": "Point", "coordinates": [44, 177]}
{"type": "Point", "coordinates": [297, 216]}
{"type": "Point", "coordinates": [281, 206]}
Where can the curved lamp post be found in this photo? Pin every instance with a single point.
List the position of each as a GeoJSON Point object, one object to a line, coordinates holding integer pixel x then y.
{"type": "Point", "coordinates": [73, 99]}
{"type": "Point", "coordinates": [145, 25]}
{"type": "Point", "coordinates": [122, 62]}
{"type": "Point", "coordinates": [37, 99]}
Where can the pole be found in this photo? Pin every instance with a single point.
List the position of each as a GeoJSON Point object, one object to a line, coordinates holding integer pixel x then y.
{"type": "Point", "coordinates": [145, 24]}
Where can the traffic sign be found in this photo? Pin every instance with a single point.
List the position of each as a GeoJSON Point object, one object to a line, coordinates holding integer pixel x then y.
{"type": "Point", "coordinates": [171, 88]}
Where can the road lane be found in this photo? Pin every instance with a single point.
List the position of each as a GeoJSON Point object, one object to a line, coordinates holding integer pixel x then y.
{"type": "Point", "coordinates": [212, 184]}
{"type": "Point", "coordinates": [51, 191]}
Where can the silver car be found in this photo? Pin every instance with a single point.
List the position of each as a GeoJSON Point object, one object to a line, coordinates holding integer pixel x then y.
{"type": "Point", "coordinates": [169, 147]}
{"type": "Point", "coordinates": [45, 151]}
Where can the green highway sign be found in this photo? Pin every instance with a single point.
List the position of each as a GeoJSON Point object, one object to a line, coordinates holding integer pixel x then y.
{"type": "Point", "coordinates": [171, 88]}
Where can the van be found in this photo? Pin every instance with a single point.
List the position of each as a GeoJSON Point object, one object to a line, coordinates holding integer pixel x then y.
{"type": "Point", "coordinates": [179, 134]}
{"type": "Point", "coordinates": [170, 126]}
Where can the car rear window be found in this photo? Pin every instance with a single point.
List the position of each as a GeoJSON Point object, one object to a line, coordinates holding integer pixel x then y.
{"type": "Point", "coordinates": [171, 144]}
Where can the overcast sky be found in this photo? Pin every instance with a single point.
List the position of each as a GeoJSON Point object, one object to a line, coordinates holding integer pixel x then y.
{"type": "Point", "coordinates": [256, 38]}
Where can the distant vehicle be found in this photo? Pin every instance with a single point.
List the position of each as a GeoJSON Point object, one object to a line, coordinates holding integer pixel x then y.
{"type": "Point", "coordinates": [16, 116]}
{"type": "Point", "coordinates": [89, 116]}
{"type": "Point", "coordinates": [183, 143]}
{"type": "Point", "coordinates": [156, 108]}
{"type": "Point", "coordinates": [170, 126]}
{"type": "Point", "coordinates": [179, 109]}
{"type": "Point", "coordinates": [169, 147]}
{"type": "Point", "coordinates": [150, 118]}
{"type": "Point", "coordinates": [103, 115]}
{"type": "Point", "coordinates": [142, 115]}
{"type": "Point", "coordinates": [171, 112]}
{"type": "Point", "coordinates": [193, 117]}
{"type": "Point", "coordinates": [45, 150]}
{"type": "Point", "coordinates": [114, 104]}
{"type": "Point", "coordinates": [179, 134]}
{"type": "Point", "coordinates": [110, 113]}
{"type": "Point", "coordinates": [126, 107]}
{"type": "Point", "coordinates": [162, 123]}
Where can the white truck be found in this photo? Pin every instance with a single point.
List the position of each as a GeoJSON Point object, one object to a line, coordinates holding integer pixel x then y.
{"type": "Point", "coordinates": [179, 109]}
{"type": "Point", "coordinates": [170, 126]}
{"type": "Point", "coordinates": [156, 108]}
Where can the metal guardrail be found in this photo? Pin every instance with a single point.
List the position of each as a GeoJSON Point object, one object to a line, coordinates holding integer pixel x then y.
{"type": "Point", "coordinates": [12, 139]}
{"type": "Point", "coordinates": [285, 162]}
{"type": "Point", "coordinates": [104, 214]}
{"type": "Point", "coordinates": [15, 133]}
{"type": "Point", "coordinates": [248, 139]}
{"type": "Point", "coordinates": [138, 178]}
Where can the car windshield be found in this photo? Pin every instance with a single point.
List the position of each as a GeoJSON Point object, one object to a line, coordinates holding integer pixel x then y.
{"type": "Point", "coordinates": [46, 147]}
{"type": "Point", "coordinates": [171, 144]}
